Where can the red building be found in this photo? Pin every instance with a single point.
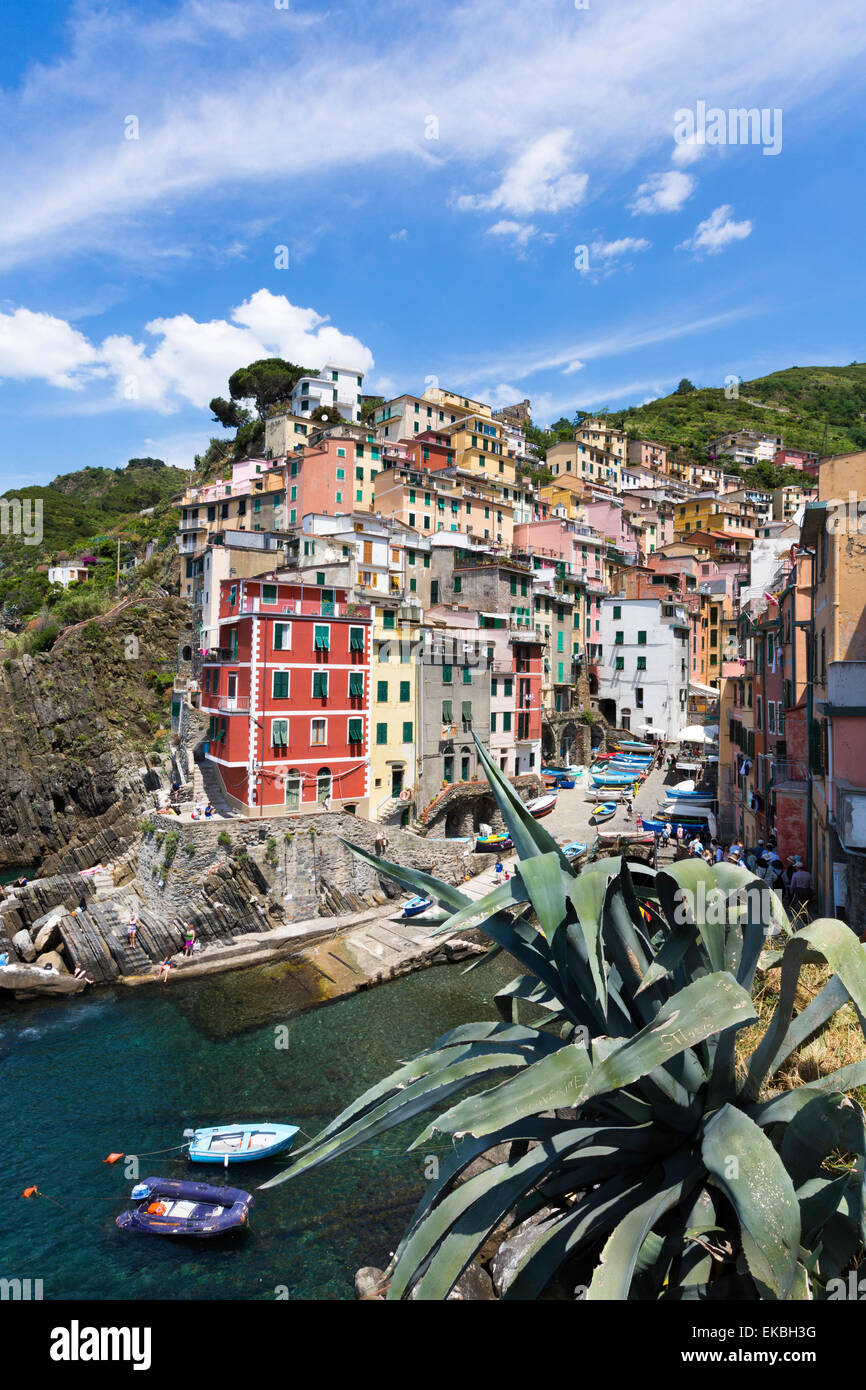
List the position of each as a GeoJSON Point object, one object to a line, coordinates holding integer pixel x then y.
{"type": "Point", "coordinates": [527, 670]}
{"type": "Point", "coordinates": [288, 693]}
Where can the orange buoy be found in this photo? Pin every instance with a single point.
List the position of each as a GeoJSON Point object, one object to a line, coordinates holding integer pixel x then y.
{"type": "Point", "coordinates": [31, 1192]}
{"type": "Point", "coordinates": [112, 1158]}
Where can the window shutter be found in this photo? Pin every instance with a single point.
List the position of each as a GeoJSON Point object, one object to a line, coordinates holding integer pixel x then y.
{"type": "Point", "coordinates": [356, 684]}
{"type": "Point", "coordinates": [322, 638]}
{"type": "Point", "coordinates": [280, 733]}
{"type": "Point", "coordinates": [281, 685]}
{"type": "Point", "coordinates": [356, 731]}
{"type": "Point", "coordinates": [356, 639]}
{"type": "Point", "coordinates": [320, 685]}
{"type": "Point", "coordinates": [467, 711]}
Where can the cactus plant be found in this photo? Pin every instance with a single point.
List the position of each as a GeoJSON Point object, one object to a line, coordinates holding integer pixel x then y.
{"type": "Point", "coordinates": [658, 1164]}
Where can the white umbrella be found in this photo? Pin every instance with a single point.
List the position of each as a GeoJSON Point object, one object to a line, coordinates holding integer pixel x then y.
{"type": "Point", "coordinates": [694, 734]}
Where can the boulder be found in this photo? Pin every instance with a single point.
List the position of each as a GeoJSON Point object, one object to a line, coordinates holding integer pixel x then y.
{"type": "Point", "coordinates": [48, 936]}
{"type": "Point", "coordinates": [53, 958]}
{"type": "Point", "coordinates": [368, 1282]}
{"type": "Point", "coordinates": [24, 946]}
{"type": "Point", "coordinates": [474, 1284]}
{"type": "Point", "coordinates": [504, 1264]}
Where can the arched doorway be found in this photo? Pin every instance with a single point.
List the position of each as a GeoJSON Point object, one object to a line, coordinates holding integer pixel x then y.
{"type": "Point", "coordinates": [607, 708]}
{"type": "Point", "coordinates": [293, 789]}
{"type": "Point", "coordinates": [453, 823]}
{"type": "Point", "coordinates": [568, 745]}
{"type": "Point", "coordinates": [324, 785]}
{"type": "Point", "coordinates": [548, 742]}
{"type": "Point", "coordinates": [485, 810]}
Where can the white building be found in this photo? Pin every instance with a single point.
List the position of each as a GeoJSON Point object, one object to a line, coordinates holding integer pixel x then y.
{"type": "Point", "coordinates": [68, 574]}
{"type": "Point", "coordinates": [339, 387]}
{"type": "Point", "coordinates": [643, 673]}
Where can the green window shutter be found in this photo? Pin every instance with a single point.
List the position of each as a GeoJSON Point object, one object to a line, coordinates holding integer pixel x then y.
{"type": "Point", "coordinates": [356, 684]}
{"type": "Point", "coordinates": [620, 663]}
{"type": "Point", "coordinates": [641, 663]}
{"type": "Point", "coordinates": [509, 685]}
{"type": "Point", "coordinates": [458, 584]}
{"type": "Point", "coordinates": [320, 685]}
{"type": "Point", "coordinates": [281, 685]}
{"type": "Point", "coordinates": [447, 712]}
{"type": "Point", "coordinates": [467, 710]}
{"type": "Point", "coordinates": [494, 685]}
{"type": "Point", "coordinates": [388, 618]}
{"type": "Point", "coordinates": [641, 639]}
{"type": "Point", "coordinates": [493, 723]}
{"type": "Point", "coordinates": [467, 675]}
{"type": "Point", "coordinates": [381, 733]}
{"type": "Point", "coordinates": [407, 731]}
{"type": "Point", "coordinates": [279, 630]}
{"type": "Point", "coordinates": [513, 587]}
{"type": "Point", "coordinates": [382, 692]}
{"type": "Point", "coordinates": [619, 639]}
{"type": "Point", "coordinates": [405, 691]}
{"type": "Point", "coordinates": [447, 675]}
{"type": "Point", "coordinates": [426, 562]}
{"type": "Point", "coordinates": [617, 612]}
{"type": "Point", "coordinates": [269, 592]}
{"type": "Point", "coordinates": [356, 639]}
{"type": "Point", "coordinates": [413, 585]}
{"type": "Point", "coordinates": [280, 733]}
{"type": "Point", "coordinates": [506, 722]}
{"type": "Point", "coordinates": [233, 595]}
{"type": "Point", "coordinates": [356, 731]}
{"type": "Point", "coordinates": [322, 640]}
{"type": "Point", "coordinates": [560, 638]}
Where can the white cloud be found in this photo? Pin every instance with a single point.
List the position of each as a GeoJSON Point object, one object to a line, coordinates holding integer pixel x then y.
{"type": "Point", "coordinates": [539, 180]}
{"type": "Point", "coordinates": [688, 151]}
{"type": "Point", "coordinates": [519, 234]}
{"type": "Point", "coordinates": [576, 366]}
{"type": "Point", "coordinates": [614, 250]}
{"type": "Point", "coordinates": [663, 193]}
{"type": "Point", "coordinates": [402, 235]}
{"type": "Point", "coordinates": [44, 347]}
{"type": "Point", "coordinates": [191, 361]}
{"type": "Point", "coordinates": [716, 231]}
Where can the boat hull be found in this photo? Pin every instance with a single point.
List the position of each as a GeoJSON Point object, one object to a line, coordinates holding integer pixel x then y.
{"type": "Point", "coordinates": [187, 1209]}
{"type": "Point", "coordinates": [416, 905]}
{"type": "Point", "coordinates": [542, 806]}
{"type": "Point", "coordinates": [488, 844]}
{"type": "Point", "coordinates": [240, 1143]}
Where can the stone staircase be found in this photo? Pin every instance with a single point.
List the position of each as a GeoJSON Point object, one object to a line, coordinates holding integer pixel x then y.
{"type": "Point", "coordinates": [206, 786]}
{"type": "Point", "coordinates": [391, 810]}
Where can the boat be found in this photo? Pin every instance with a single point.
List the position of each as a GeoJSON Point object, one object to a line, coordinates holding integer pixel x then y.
{"type": "Point", "coordinates": [574, 850]}
{"type": "Point", "coordinates": [541, 806]}
{"type": "Point", "coordinates": [656, 827]}
{"type": "Point", "coordinates": [486, 843]}
{"type": "Point", "coordinates": [626, 836]}
{"type": "Point", "coordinates": [627, 746]}
{"type": "Point", "coordinates": [416, 905]}
{"type": "Point", "coordinates": [605, 793]}
{"type": "Point", "coordinates": [244, 1142]}
{"type": "Point", "coordinates": [612, 779]}
{"type": "Point", "coordinates": [168, 1207]}
{"type": "Point", "coordinates": [604, 812]}
{"type": "Point", "coordinates": [690, 798]}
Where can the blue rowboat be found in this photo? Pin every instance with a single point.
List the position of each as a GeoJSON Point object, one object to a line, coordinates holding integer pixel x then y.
{"type": "Point", "coordinates": [604, 812]}
{"type": "Point", "coordinates": [656, 826]}
{"type": "Point", "coordinates": [612, 779]}
{"type": "Point", "coordinates": [629, 746]}
{"type": "Point", "coordinates": [239, 1143]}
{"type": "Point", "coordinates": [167, 1207]}
{"type": "Point", "coordinates": [574, 850]}
{"type": "Point", "coordinates": [416, 905]}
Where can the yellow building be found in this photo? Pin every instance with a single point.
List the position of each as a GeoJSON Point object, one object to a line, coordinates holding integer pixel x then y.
{"type": "Point", "coordinates": [708, 512]}
{"type": "Point", "coordinates": [394, 710]}
{"type": "Point", "coordinates": [596, 454]}
{"type": "Point", "coordinates": [480, 446]}
{"type": "Point", "coordinates": [453, 401]}
{"type": "Point", "coordinates": [556, 495]}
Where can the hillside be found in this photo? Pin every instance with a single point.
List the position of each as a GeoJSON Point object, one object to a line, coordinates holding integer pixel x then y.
{"type": "Point", "coordinates": [818, 408]}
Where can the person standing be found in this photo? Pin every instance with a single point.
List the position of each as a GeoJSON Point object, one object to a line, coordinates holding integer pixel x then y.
{"type": "Point", "coordinates": [801, 886]}
{"type": "Point", "coordinates": [131, 929]}
{"type": "Point", "coordinates": [189, 939]}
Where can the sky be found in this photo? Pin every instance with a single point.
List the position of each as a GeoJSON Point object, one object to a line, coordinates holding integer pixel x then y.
{"type": "Point", "coordinates": [506, 199]}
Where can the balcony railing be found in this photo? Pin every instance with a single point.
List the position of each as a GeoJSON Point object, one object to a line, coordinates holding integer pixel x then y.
{"type": "Point", "coordinates": [220, 656]}
{"type": "Point", "coordinates": [233, 704]}
{"type": "Point", "coordinates": [306, 608]}
{"type": "Point", "coordinates": [787, 772]}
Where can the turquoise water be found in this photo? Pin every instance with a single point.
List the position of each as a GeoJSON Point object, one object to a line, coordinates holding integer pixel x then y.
{"type": "Point", "coordinates": [22, 871]}
{"type": "Point", "coordinates": [129, 1070]}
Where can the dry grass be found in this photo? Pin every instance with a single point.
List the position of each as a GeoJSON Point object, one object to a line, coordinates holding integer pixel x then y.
{"type": "Point", "coordinates": [838, 1043]}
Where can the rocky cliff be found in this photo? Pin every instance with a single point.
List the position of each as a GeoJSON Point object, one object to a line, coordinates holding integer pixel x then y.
{"type": "Point", "coordinates": [80, 729]}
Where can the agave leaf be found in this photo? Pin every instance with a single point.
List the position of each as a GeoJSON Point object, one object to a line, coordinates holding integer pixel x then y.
{"type": "Point", "coordinates": [826, 1003]}
{"type": "Point", "coordinates": [445, 1240]}
{"type": "Point", "coordinates": [819, 1198]}
{"type": "Point", "coordinates": [424, 885]}
{"type": "Point", "coordinates": [528, 988]}
{"type": "Point", "coordinates": [528, 836]}
{"type": "Point", "coordinates": [743, 1163]}
{"type": "Point", "coordinates": [685, 878]}
{"type": "Point", "coordinates": [613, 1276]}
{"type": "Point", "coordinates": [417, 1096]}
{"type": "Point", "coordinates": [551, 1084]}
{"type": "Point", "coordinates": [783, 1108]}
{"type": "Point", "coordinates": [711, 1003]}
{"type": "Point", "coordinates": [743, 944]}
{"type": "Point", "coordinates": [587, 895]}
{"type": "Point", "coordinates": [475, 912]}
{"type": "Point", "coordinates": [590, 1219]}
{"type": "Point", "coordinates": [489, 954]}
{"type": "Point", "coordinates": [545, 882]}
{"type": "Point", "coordinates": [828, 1122]}
{"type": "Point", "coordinates": [761, 1059]}
{"type": "Point", "coordinates": [845, 956]}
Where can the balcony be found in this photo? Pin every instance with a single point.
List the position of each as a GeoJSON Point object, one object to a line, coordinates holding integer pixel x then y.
{"type": "Point", "coordinates": [305, 608]}
{"type": "Point", "coordinates": [220, 656]}
{"type": "Point", "coordinates": [232, 704]}
{"type": "Point", "coordinates": [787, 771]}
{"type": "Point", "coordinates": [518, 633]}
{"type": "Point", "coordinates": [192, 526]}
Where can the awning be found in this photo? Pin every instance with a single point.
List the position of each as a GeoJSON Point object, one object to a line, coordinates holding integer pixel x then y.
{"type": "Point", "coordinates": [502, 616]}
{"type": "Point", "coordinates": [698, 689]}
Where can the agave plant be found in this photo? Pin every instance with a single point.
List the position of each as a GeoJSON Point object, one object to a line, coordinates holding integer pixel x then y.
{"type": "Point", "coordinates": [639, 1136]}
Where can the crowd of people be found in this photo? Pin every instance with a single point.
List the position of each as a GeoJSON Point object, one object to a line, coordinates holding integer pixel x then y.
{"type": "Point", "coordinates": [790, 879]}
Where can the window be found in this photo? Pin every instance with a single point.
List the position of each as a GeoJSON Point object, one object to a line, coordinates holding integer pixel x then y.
{"type": "Point", "coordinates": [509, 685]}
{"type": "Point", "coordinates": [407, 731]}
{"type": "Point", "coordinates": [320, 685]}
{"type": "Point", "coordinates": [233, 595]}
{"type": "Point", "coordinates": [405, 692]}
{"type": "Point", "coordinates": [356, 685]}
{"type": "Point", "coordinates": [280, 689]}
{"type": "Point", "coordinates": [341, 473]}
{"type": "Point", "coordinates": [282, 637]}
{"type": "Point", "coordinates": [638, 695]}
{"type": "Point", "coordinates": [356, 731]}
{"type": "Point", "coordinates": [493, 723]}
{"type": "Point", "coordinates": [447, 675]}
{"type": "Point", "coordinates": [323, 785]}
{"type": "Point", "coordinates": [641, 639]}
{"type": "Point", "coordinates": [619, 638]}
{"type": "Point", "coordinates": [381, 733]}
{"type": "Point", "coordinates": [458, 584]}
{"type": "Point", "coordinates": [322, 638]}
{"type": "Point", "coordinates": [356, 639]}
{"type": "Point", "coordinates": [448, 768]}
{"type": "Point", "coordinates": [382, 692]}
{"type": "Point", "coordinates": [280, 733]}
{"type": "Point", "coordinates": [388, 618]}
{"type": "Point", "coordinates": [506, 721]}
{"type": "Point", "coordinates": [620, 663]}
{"type": "Point", "coordinates": [617, 612]}
{"type": "Point", "coordinates": [467, 675]}
{"type": "Point", "coordinates": [641, 663]}
{"type": "Point", "coordinates": [318, 731]}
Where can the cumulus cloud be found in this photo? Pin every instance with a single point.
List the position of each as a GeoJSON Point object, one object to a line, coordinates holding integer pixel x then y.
{"type": "Point", "coordinates": [402, 235]}
{"type": "Point", "coordinates": [518, 234]}
{"type": "Point", "coordinates": [540, 179]}
{"type": "Point", "coordinates": [716, 232]}
{"type": "Point", "coordinates": [615, 250]}
{"type": "Point", "coordinates": [663, 193]}
{"type": "Point", "coordinates": [189, 361]}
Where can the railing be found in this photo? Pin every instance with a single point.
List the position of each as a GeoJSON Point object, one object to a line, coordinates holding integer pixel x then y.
{"type": "Point", "coordinates": [307, 608]}
{"type": "Point", "coordinates": [787, 771]}
{"type": "Point", "coordinates": [220, 656]}
{"type": "Point", "coordinates": [233, 704]}
{"type": "Point", "coordinates": [192, 526]}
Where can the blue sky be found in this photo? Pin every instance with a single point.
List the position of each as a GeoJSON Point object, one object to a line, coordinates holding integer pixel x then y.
{"type": "Point", "coordinates": [431, 170]}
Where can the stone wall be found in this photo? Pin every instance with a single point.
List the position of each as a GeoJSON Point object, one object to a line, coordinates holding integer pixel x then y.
{"type": "Point", "coordinates": [297, 860]}
{"type": "Point", "coordinates": [461, 807]}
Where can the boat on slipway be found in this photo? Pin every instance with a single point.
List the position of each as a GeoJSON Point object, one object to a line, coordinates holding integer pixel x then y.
{"type": "Point", "coordinates": [604, 812]}
{"type": "Point", "coordinates": [541, 806]}
{"type": "Point", "coordinates": [168, 1207]}
{"type": "Point", "coordinates": [244, 1142]}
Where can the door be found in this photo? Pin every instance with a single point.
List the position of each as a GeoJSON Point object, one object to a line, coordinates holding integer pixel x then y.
{"type": "Point", "coordinates": [232, 690]}
{"type": "Point", "coordinates": [396, 780]}
{"type": "Point", "coordinates": [293, 791]}
{"type": "Point", "coordinates": [327, 603]}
